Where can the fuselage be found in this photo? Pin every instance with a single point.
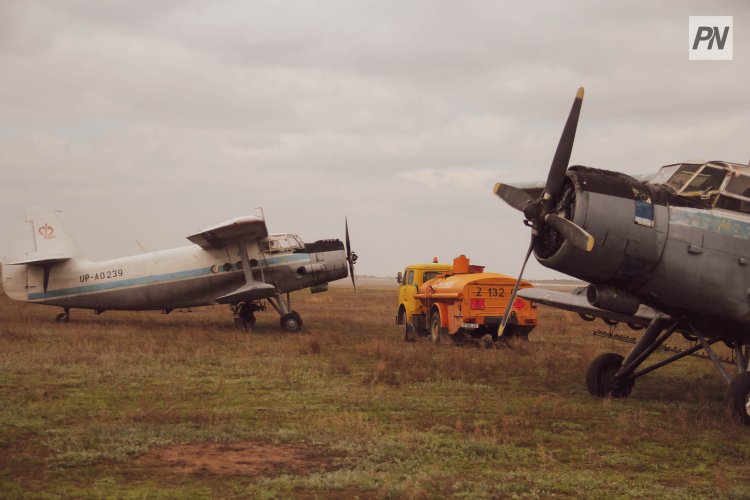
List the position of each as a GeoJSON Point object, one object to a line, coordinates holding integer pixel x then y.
{"type": "Point", "coordinates": [181, 277]}
{"type": "Point", "coordinates": [680, 254]}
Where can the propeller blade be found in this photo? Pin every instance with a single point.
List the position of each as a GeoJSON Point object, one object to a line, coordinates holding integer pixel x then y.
{"type": "Point", "coordinates": [350, 254]}
{"type": "Point", "coordinates": [516, 198]}
{"type": "Point", "coordinates": [564, 149]}
{"type": "Point", "coordinates": [572, 232]}
{"type": "Point", "coordinates": [512, 299]}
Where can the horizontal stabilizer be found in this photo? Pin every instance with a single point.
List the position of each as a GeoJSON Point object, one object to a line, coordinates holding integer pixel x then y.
{"type": "Point", "coordinates": [41, 260]}
{"type": "Point", "coordinates": [579, 303]}
{"type": "Point", "coordinates": [249, 227]}
{"type": "Point", "coordinates": [250, 291]}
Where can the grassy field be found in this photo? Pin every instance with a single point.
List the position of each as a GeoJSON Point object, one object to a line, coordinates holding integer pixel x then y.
{"type": "Point", "coordinates": [144, 404]}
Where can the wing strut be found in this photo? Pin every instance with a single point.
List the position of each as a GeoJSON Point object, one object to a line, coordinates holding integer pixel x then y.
{"type": "Point", "coordinates": [245, 262]}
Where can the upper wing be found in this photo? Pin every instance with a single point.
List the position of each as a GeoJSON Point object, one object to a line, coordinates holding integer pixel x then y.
{"type": "Point", "coordinates": [578, 303]}
{"type": "Point", "coordinates": [249, 227]}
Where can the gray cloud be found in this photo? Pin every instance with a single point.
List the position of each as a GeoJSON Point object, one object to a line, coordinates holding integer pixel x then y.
{"type": "Point", "coordinates": [149, 120]}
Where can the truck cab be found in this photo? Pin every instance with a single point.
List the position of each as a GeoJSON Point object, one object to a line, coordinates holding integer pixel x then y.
{"type": "Point", "coordinates": [410, 280]}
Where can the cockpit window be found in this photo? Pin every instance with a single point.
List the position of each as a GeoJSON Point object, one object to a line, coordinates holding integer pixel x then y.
{"type": "Point", "coordinates": [739, 184]}
{"type": "Point", "coordinates": [692, 179]}
{"type": "Point", "coordinates": [681, 176]}
{"type": "Point", "coordinates": [278, 243]}
{"type": "Point", "coordinates": [708, 179]}
{"type": "Point", "coordinates": [664, 173]}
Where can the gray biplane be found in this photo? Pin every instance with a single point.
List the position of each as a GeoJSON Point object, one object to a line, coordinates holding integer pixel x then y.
{"type": "Point", "coordinates": [669, 252]}
{"type": "Point", "coordinates": [236, 262]}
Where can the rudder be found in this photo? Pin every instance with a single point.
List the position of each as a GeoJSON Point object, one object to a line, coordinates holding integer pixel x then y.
{"type": "Point", "coordinates": [51, 240]}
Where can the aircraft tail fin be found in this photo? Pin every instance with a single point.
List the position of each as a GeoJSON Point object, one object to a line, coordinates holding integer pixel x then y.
{"type": "Point", "coordinates": [52, 242]}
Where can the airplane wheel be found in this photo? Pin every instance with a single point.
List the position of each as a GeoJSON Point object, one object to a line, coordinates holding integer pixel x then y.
{"type": "Point", "coordinates": [610, 322]}
{"type": "Point", "coordinates": [738, 398]}
{"type": "Point", "coordinates": [600, 377]}
{"type": "Point", "coordinates": [586, 317]}
{"type": "Point", "coordinates": [291, 322]}
{"type": "Point", "coordinates": [410, 333]}
{"type": "Point", "coordinates": [62, 318]}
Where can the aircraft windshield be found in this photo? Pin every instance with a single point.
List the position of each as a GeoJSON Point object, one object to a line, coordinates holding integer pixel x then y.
{"type": "Point", "coordinates": [692, 179]}
{"type": "Point", "coordinates": [722, 185]}
{"type": "Point", "coordinates": [277, 243]}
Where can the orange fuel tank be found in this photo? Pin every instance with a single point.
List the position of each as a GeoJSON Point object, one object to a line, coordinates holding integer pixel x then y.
{"type": "Point", "coordinates": [465, 304]}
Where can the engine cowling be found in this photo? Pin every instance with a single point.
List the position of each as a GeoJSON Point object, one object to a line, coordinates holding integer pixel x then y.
{"type": "Point", "coordinates": [627, 218]}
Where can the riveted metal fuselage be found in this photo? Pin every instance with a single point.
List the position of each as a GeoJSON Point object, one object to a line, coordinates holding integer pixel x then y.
{"type": "Point", "coordinates": [181, 277]}
{"type": "Point", "coordinates": [678, 255]}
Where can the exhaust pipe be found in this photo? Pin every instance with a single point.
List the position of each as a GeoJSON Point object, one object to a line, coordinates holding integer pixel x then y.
{"type": "Point", "coordinates": [613, 299]}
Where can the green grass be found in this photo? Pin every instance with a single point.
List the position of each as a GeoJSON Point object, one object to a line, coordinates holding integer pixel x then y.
{"type": "Point", "coordinates": [83, 404]}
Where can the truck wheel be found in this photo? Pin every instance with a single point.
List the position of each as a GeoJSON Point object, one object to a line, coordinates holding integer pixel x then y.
{"type": "Point", "coordinates": [410, 333]}
{"type": "Point", "coordinates": [438, 335]}
{"type": "Point", "coordinates": [401, 316]}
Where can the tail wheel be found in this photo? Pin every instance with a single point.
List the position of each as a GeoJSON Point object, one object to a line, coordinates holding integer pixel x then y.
{"type": "Point", "coordinates": [291, 322]}
{"type": "Point", "coordinates": [600, 377]}
{"type": "Point", "coordinates": [738, 398]}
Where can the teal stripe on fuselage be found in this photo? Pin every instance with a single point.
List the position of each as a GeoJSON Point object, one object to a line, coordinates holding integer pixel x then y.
{"type": "Point", "coordinates": [710, 221]}
{"type": "Point", "coordinates": [112, 285]}
{"type": "Point", "coordinates": [154, 278]}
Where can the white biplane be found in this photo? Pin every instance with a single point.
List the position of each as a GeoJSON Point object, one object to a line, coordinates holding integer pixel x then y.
{"type": "Point", "coordinates": [236, 262]}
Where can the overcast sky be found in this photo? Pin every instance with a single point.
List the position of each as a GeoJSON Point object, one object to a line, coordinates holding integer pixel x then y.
{"type": "Point", "coordinates": [148, 121]}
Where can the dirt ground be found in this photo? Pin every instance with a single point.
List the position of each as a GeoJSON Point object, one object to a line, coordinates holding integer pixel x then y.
{"type": "Point", "coordinates": [243, 458]}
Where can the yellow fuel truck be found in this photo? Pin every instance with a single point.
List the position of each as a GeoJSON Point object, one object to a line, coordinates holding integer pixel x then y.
{"type": "Point", "coordinates": [460, 303]}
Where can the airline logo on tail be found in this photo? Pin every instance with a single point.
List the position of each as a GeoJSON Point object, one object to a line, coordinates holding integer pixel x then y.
{"type": "Point", "coordinates": [47, 232]}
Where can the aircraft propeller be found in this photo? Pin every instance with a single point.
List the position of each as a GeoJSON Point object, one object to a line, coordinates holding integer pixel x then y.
{"type": "Point", "coordinates": [351, 257]}
{"type": "Point", "coordinates": [539, 213]}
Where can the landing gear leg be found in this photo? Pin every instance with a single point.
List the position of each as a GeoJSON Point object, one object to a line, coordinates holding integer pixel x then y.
{"type": "Point", "coordinates": [612, 375]}
{"type": "Point", "coordinates": [64, 316]}
{"type": "Point", "coordinates": [290, 320]}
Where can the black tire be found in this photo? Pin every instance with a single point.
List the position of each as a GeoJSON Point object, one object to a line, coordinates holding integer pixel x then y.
{"type": "Point", "coordinates": [401, 316]}
{"type": "Point", "coordinates": [487, 342]}
{"type": "Point", "coordinates": [586, 317]}
{"type": "Point", "coordinates": [738, 398]}
{"type": "Point", "coordinates": [246, 320]}
{"type": "Point", "coordinates": [633, 326]}
{"type": "Point", "coordinates": [291, 322]}
{"type": "Point", "coordinates": [438, 334]}
{"type": "Point", "coordinates": [600, 377]}
{"type": "Point", "coordinates": [410, 333]}
{"type": "Point", "coordinates": [610, 322]}
{"type": "Point", "coordinates": [62, 318]}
